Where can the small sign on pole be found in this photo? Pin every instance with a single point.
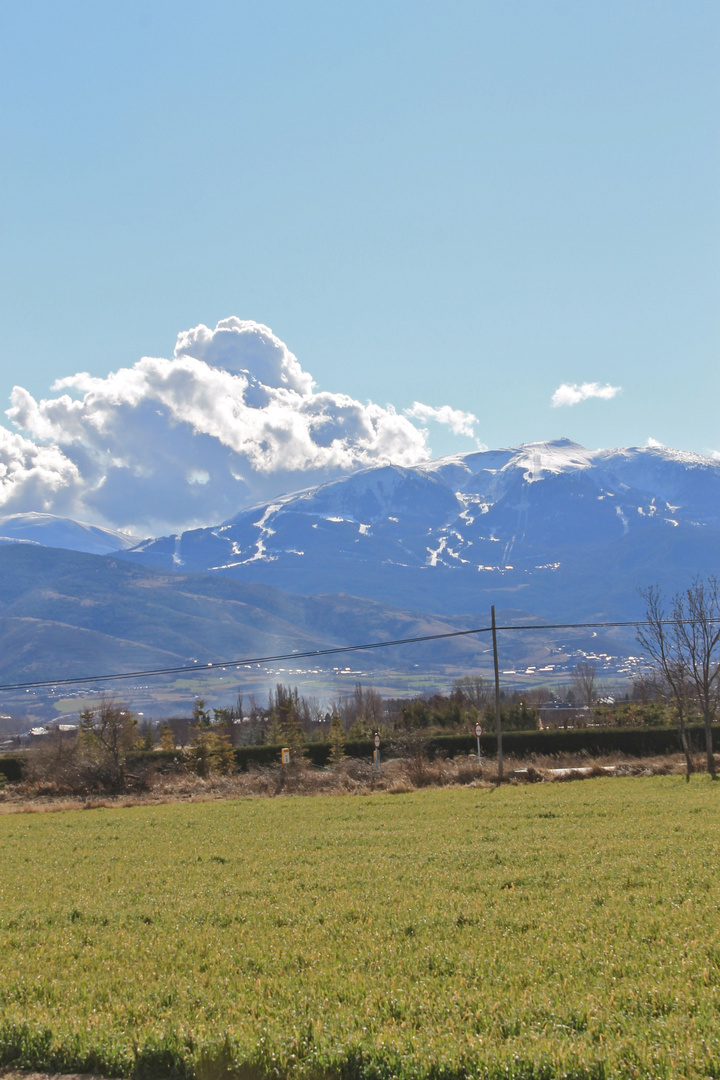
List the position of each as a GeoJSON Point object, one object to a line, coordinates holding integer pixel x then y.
{"type": "Point", "coordinates": [285, 755]}
{"type": "Point", "coordinates": [478, 733]}
{"type": "Point", "coordinates": [376, 751]}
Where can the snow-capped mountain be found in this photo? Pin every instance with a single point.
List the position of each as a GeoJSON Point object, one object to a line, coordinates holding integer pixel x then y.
{"type": "Point", "coordinates": [556, 528]}
{"type": "Point", "coordinates": [548, 532]}
{"type": "Point", "coordinates": [48, 530]}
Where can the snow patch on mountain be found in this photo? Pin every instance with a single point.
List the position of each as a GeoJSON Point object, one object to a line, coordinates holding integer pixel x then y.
{"type": "Point", "coordinates": [49, 530]}
{"type": "Point", "coordinates": [512, 518]}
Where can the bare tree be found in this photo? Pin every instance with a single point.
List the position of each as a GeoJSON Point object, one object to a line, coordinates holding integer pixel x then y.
{"type": "Point", "coordinates": [109, 731]}
{"type": "Point", "coordinates": [474, 690]}
{"type": "Point", "coordinates": [696, 613]}
{"type": "Point", "coordinates": [583, 678]}
{"type": "Point", "coordinates": [363, 710]}
{"type": "Point", "coordinates": [684, 649]}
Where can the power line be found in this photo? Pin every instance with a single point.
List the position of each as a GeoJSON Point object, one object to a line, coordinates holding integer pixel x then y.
{"type": "Point", "coordinates": [335, 651]}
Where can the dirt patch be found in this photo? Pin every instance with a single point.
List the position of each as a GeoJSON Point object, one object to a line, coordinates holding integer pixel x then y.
{"type": "Point", "coordinates": [16, 1074]}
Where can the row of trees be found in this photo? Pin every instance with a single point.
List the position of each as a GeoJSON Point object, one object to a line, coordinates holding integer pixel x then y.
{"type": "Point", "coordinates": [471, 701]}
{"type": "Point", "coordinates": [289, 719]}
{"type": "Point", "coordinates": [249, 723]}
{"type": "Point", "coordinates": [681, 640]}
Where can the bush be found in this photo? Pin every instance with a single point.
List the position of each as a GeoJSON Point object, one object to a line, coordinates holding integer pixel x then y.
{"type": "Point", "coordinates": [211, 752]}
{"type": "Point", "coordinates": [107, 733]}
{"type": "Point", "coordinates": [12, 768]}
{"type": "Point", "coordinates": [163, 760]}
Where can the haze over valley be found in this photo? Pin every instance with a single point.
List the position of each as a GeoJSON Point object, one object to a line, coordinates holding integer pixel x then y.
{"type": "Point", "coordinates": [546, 532]}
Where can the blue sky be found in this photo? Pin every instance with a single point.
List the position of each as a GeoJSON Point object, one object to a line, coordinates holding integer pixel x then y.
{"type": "Point", "coordinates": [463, 204]}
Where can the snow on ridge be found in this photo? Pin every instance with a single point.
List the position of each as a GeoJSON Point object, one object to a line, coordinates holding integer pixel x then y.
{"type": "Point", "coordinates": [536, 459]}
{"type": "Point", "coordinates": [657, 453]}
{"type": "Point", "coordinates": [550, 457]}
{"type": "Point", "coordinates": [557, 455]}
{"type": "Point", "coordinates": [458, 491]}
{"type": "Point", "coordinates": [51, 530]}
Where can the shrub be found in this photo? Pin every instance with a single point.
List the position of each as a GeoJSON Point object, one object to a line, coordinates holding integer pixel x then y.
{"type": "Point", "coordinates": [337, 739]}
{"type": "Point", "coordinates": [107, 733]}
{"type": "Point", "coordinates": [211, 752]}
{"type": "Point", "coordinates": [12, 768]}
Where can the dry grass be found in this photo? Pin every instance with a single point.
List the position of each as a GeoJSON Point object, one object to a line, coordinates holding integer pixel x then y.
{"type": "Point", "coordinates": [350, 777]}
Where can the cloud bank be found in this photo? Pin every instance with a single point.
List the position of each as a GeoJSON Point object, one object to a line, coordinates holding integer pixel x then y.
{"type": "Point", "coordinates": [170, 444]}
{"type": "Point", "coordinates": [573, 393]}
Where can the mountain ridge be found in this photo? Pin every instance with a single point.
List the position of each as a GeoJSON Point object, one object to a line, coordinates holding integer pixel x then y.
{"type": "Point", "coordinates": [549, 533]}
{"type": "Point", "coordinates": [50, 530]}
{"type": "Point", "coordinates": [596, 522]}
{"type": "Point", "coordinates": [75, 615]}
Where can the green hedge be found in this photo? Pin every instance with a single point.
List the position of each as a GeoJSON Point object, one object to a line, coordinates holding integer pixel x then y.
{"type": "Point", "coordinates": [318, 753]}
{"type": "Point", "coordinates": [11, 768]}
{"type": "Point", "coordinates": [167, 758]}
{"type": "Point", "coordinates": [635, 742]}
{"type": "Point", "coordinates": [257, 755]}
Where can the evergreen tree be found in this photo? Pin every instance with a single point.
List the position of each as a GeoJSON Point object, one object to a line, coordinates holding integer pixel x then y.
{"type": "Point", "coordinates": [211, 752]}
{"type": "Point", "coordinates": [167, 739]}
{"type": "Point", "coordinates": [200, 715]}
{"type": "Point", "coordinates": [294, 737]}
{"type": "Point", "coordinates": [285, 705]}
{"type": "Point", "coordinates": [359, 729]}
{"type": "Point", "coordinates": [274, 731]}
{"type": "Point", "coordinates": [337, 739]}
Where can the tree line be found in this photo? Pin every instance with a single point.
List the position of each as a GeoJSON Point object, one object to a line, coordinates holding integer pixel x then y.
{"type": "Point", "coordinates": [681, 685]}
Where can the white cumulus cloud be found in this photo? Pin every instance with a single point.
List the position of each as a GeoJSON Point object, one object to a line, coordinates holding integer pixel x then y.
{"type": "Point", "coordinates": [232, 419]}
{"type": "Point", "coordinates": [573, 393]}
{"type": "Point", "coordinates": [459, 422]}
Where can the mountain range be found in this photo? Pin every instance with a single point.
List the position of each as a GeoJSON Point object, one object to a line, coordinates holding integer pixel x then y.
{"type": "Point", "coordinates": [557, 530]}
{"type": "Point", "coordinates": [547, 532]}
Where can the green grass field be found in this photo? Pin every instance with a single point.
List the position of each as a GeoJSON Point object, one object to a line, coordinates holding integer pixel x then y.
{"type": "Point", "coordinates": [539, 931]}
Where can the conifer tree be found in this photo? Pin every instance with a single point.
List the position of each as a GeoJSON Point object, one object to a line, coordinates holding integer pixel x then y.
{"type": "Point", "coordinates": [211, 752]}
{"type": "Point", "coordinates": [274, 731]}
{"type": "Point", "coordinates": [167, 739]}
{"type": "Point", "coordinates": [337, 739]}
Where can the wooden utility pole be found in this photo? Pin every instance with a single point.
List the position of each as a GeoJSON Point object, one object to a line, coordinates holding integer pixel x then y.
{"type": "Point", "coordinates": [497, 697]}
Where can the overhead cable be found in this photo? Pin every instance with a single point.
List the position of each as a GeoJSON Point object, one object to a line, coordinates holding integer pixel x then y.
{"type": "Point", "coordinates": [309, 654]}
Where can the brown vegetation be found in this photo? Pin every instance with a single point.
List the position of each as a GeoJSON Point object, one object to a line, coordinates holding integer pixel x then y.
{"type": "Point", "coordinates": [349, 776]}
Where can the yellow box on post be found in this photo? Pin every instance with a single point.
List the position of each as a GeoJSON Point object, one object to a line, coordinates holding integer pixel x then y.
{"type": "Point", "coordinates": [285, 755]}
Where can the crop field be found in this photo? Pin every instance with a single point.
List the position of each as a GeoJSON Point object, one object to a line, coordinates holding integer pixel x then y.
{"type": "Point", "coordinates": [564, 930]}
